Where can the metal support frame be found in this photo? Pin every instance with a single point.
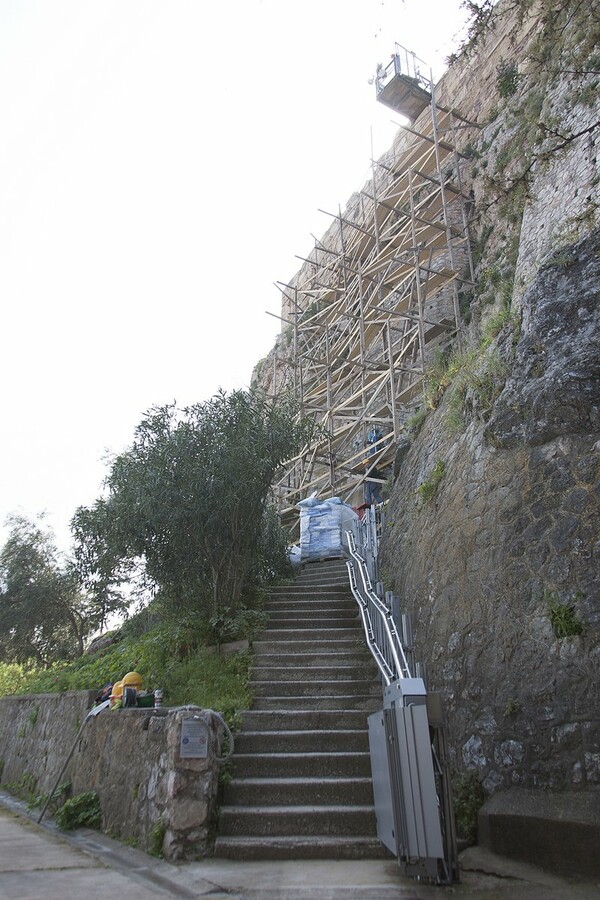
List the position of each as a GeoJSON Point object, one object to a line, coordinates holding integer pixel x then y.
{"type": "Point", "coordinates": [376, 298]}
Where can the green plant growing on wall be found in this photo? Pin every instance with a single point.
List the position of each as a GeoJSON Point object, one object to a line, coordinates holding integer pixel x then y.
{"type": "Point", "coordinates": [59, 795]}
{"type": "Point", "coordinates": [468, 797]}
{"type": "Point", "coordinates": [476, 387]}
{"type": "Point", "coordinates": [81, 811]}
{"type": "Point", "coordinates": [414, 422]}
{"type": "Point", "coordinates": [562, 259]}
{"type": "Point", "coordinates": [24, 788]}
{"type": "Point", "coordinates": [428, 488]}
{"type": "Point", "coordinates": [563, 618]}
{"type": "Point", "coordinates": [513, 706]}
{"type": "Point", "coordinates": [507, 78]}
{"type": "Point", "coordinates": [495, 324]}
{"type": "Point", "coordinates": [33, 716]}
{"type": "Point", "coordinates": [156, 838]}
{"type": "Point", "coordinates": [440, 375]}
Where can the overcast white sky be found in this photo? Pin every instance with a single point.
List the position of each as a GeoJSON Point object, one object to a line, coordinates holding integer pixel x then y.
{"type": "Point", "coordinates": [161, 163]}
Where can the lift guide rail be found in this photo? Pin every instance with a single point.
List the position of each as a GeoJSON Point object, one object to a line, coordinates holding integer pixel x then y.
{"type": "Point", "coordinates": [407, 742]}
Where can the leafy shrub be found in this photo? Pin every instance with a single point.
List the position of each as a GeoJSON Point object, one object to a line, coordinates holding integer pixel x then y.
{"type": "Point", "coordinates": [13, 678]}
{"type": "Point", "coordinates": [81, 811]}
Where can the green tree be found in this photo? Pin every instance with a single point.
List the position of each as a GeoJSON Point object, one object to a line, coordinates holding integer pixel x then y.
{"type": "Point", "coordinates": [43, 614]}
{"type": "Point", "coordinates": [190, 496]}
{"type": "Point", "coordinates": [100, 567]}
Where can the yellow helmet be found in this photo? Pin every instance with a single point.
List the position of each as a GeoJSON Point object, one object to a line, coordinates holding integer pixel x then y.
{"type": "Point", "coordinates": [117, 689]}
{"type": "Point", "coordinates": [133, 679]}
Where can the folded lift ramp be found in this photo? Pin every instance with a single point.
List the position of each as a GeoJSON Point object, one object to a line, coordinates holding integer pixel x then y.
{"type": "Point", "coordinates": [407, 738]}
{"type": "Point", "coordinates": [410, 784]}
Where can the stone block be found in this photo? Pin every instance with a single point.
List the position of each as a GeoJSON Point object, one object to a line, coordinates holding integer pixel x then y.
{"type": "Point", "coordinates": [187, 814]}
{"type": "Point", "coordinates": [558, 831]}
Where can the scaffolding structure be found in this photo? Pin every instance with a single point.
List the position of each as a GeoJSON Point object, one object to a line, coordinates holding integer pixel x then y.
{"type": "Point", "coordinates": [375, 299]}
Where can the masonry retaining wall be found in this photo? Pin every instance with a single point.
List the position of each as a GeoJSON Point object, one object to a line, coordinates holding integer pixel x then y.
{"type": "Point", "coordinates": [131, 757]}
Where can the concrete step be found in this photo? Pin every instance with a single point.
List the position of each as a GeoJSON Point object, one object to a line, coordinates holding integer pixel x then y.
{"type": "Point", "coordinates": [284, 820]}
{"type": "Point", "coordinates": [310, 610]}
{"type": "Point", "coordinates": [308, 658]}
{"type": "Point", "coordinates": [321, 846]}
{"type": "Point", "coordinates": [558, 831]}
{"type": "Point", "coordinates": [365, 670]}
{"type": "Point", "coordinates": [354, 643]}
{"type": "Point", "coordinates": [257, 720]}
{"type": "Point", "coordinates": [300, 608]}
{"type": "Point", "coordinates": [322, 623]}
{"type": "Point", "coordinates": [303, 741]}
{"type": "Point", "coordinates": [344, 687]}
{"type": "Point", "coordinates": [298, 589]}
{"type": "Point", "coordinates": [279, 618]}
{"type": "Point", "coordinates": [300, 765]}
{"type": "Point", "coordinates": [332, 573]}
{"type": "Point", "coordinates": [339, 580]}
{"type": "Point", "coordinates": [323, 568]}
{"type": "Point", "coordinates": [298, 791]}
{"type": "Point", "coordinates": [322, 633]}
{"type": "Point", "coordinates": [367, 702]}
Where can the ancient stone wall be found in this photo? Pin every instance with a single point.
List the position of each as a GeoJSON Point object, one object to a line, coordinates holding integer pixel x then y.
{"type": "Point", "coordinates": [149, 794]}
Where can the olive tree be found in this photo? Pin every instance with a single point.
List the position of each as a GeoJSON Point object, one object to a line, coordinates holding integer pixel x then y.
{"type": "Point", "coordinates": [189, 496]}
{"type": "Point", "coordinates": [44, 616]}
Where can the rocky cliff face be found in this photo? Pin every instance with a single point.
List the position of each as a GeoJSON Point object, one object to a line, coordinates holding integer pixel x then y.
{"type": "Point", "coordinates": [498, 561]}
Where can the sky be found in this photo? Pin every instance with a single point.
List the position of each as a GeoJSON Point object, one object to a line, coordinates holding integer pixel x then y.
{"type": "Point", "coordinates": [162, 164]}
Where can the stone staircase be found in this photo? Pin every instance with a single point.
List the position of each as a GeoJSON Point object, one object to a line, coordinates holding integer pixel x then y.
{"type": "Point", "coordinates": [301, 785]}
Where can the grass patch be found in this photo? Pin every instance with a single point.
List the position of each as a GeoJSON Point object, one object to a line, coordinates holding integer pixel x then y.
{"type": "Point", "coordinates": [164, 657]}
{"type": "Point", "coordinates": [495, 323]}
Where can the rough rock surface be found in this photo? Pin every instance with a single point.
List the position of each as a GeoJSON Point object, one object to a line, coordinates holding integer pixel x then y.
{"type": "Point", "coordinates": [555, 386]}
{"type": "Point", "coordinates": [511, 531]}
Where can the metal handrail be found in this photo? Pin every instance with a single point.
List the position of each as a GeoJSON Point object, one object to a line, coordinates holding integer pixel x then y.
{"type": "Point", "coordinates": [380, 630]}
